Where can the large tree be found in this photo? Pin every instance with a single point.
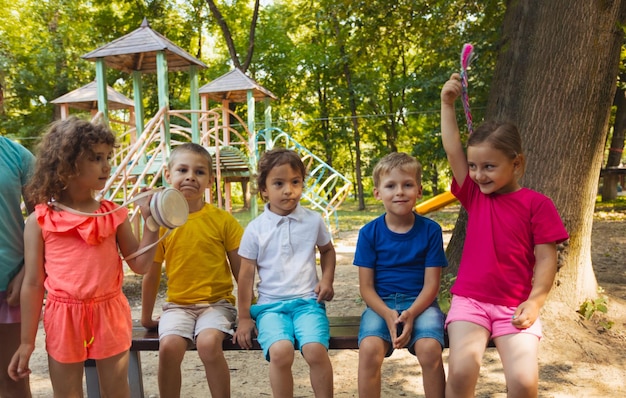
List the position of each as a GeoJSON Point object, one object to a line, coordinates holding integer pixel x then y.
{"type": "Point", "coordinates": [555, 78]}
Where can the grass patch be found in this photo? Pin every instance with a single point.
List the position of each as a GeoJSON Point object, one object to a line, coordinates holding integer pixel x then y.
{"type": "Point", "coordinates": [350, 218]}
{"type": "Point", "coordinates": [610, 210]}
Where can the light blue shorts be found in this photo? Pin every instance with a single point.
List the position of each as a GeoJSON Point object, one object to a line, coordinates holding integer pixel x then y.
{"type": "Point", "coordinates": [429, 324]}
{"type": "Point", "coordinates": [301, 321]}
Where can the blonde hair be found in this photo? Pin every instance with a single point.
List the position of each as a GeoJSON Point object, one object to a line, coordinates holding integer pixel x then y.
{"type": "Point", "coordinates": [194, 148]}
{"type": "Point", "coordinates": [397, 160]}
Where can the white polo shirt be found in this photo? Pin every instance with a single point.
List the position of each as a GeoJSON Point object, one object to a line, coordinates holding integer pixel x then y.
{"type": "Point", "coordinates": [284, 249]}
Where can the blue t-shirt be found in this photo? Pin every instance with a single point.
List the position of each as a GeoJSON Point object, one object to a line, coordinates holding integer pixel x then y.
{"type": "Point", "coordinates": [400, 260]}
{"type": "Point", "coordinates": [16, 167]}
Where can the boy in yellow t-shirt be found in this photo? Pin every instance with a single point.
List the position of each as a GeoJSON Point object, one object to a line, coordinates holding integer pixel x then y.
{"type": "Point", "coordinates": [200, 260]}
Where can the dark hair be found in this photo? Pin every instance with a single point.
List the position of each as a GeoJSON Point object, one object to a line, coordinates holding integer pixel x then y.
{"type": "Point", "coordinates": [63, 144]}
{"type": "Point", "coordinates": [191, 147]}
{"type": "Point", "coordinates": [397, 160]}
{"type": "Point", "coordinates": [278, 157]}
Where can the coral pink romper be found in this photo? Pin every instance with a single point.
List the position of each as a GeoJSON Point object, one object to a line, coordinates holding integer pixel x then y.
{"type": "Point", "coordinates": [86, 314]}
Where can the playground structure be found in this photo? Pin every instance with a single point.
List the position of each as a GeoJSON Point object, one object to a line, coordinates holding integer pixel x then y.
{"type": "Point", "coordinates": [435, 203]}
{"type": "Point", "coordinates": [235, 145]}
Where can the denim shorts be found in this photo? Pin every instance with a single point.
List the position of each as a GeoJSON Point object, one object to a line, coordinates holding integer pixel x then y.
{"type": "Point", "coordinates": [428, 324]}
{"type": "Point", "coordinates": [301, 321]}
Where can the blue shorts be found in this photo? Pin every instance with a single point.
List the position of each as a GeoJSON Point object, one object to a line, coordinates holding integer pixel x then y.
{"type": "Point", "coordinates": [428, 324]}
{"type": "Point", "coordinates": [301, 321]}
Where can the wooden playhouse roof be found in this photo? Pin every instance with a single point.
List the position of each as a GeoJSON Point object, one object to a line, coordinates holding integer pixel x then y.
{"type": "Point", "coordinates": [234, 86]}
{"type": "Point", "coordinates": [86, 98]}
{"type": "Point", "coordinates": [137, 51]}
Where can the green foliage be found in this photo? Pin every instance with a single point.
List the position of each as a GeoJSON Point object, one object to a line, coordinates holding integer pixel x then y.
{"type": "Point", "coordinates": [592, 307]}
{"type": "Point", "coordinates": [445, 297]}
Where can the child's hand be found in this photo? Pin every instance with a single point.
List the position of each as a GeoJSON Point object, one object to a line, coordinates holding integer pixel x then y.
{"type": "Point", "coordinates": [14, 288]}
{"type": "Point", "coordinates": [404, 329]}
{"type": "Point", "coordinates": [18, 367]}
{"type": "Point", "coordinates": [144, 204]}
{"type": "Point", "coordinates": [451, 90]}
{"type": "Point", "coordinates": [150, 324]}
{"type": "Point", "coordinates": [324, 291]}
{"type": "Point", "coordinates": [525, 315]}
{"type": "Point", "coordinates": [243, 335]}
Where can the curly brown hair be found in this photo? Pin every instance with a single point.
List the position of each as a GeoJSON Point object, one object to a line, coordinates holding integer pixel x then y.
{"type": "Point", "coordinates": [63, 144]}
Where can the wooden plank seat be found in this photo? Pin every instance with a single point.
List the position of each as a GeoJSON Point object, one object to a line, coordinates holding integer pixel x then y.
{"type": "Point", "coordinates": [344, 333]}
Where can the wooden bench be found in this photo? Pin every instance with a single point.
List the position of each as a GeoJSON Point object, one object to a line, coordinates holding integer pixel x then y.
{"type": "Point", "coordinates": [344, 333]}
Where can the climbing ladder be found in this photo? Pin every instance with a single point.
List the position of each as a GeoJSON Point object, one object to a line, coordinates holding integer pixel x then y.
{"type": "Point", "coordinates": [139, 162]}
{"type": "Point", "coordinates": [326, 188]}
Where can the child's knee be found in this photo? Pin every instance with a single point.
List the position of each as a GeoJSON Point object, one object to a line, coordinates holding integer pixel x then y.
{"type": "Point", "coordinates": [428, 352]}
{"type": "Point", "coordinates": [282, 353]}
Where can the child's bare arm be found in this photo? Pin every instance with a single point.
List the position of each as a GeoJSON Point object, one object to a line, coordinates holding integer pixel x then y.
{"type": "Point", "coordinates": [149, 289]}
{"type": "Point", "coordinates": [373, 300]}
{"type": "Point", "coordinates": [543, 279]}
{"type": "Point", "coordinates": [245, 284]}
{"type": "Point", "coordinates": [450, 135]}
{"type": "Point", "coordinates": [328, 259]}
{"type": "Point", "coordinates": [31, 298]}
{"type": "Point", "coordinates": [235, 263]}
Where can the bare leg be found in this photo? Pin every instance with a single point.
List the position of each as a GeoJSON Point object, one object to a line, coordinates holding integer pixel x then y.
{"type": "Point", "coordinates": [371, 355]}
{"type": "Point", "coordinates": [428, 352]}
{"type": "Point", "coordinates": [113, 375]}
{"type": "Point", "coordinates": [321, 369]}
{"type": "Point", "coordinates": [172, 350]}
{"type": "Point", "coordinates": [281, 359]}
{"type": "Point", "coordinates": [10, 338]}
{"type": "Point", "coordinates": [66, 378]}
{"type": "Point", "coordinates": [518, 353]}
{"type": "Point", "coordinates": [467, 346]}
{"type": "Point", "coordinates": [209, 345]}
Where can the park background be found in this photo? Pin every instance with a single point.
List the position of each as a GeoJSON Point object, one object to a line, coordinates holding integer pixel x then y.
{"type": "Point", "coordinates": [355, 80]}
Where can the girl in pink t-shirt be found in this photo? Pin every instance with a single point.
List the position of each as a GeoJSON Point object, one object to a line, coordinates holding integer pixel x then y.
{"type": "Point", "coordinates": [75, 260]}
{"type": "Point", "coordinates": [509, 256]}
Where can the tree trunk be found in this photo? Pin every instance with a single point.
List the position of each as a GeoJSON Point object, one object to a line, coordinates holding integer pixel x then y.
{"type": "Point", "coordinates": [609, 183]}
{"type": "Point", "coordinates": [353, 111]}
{"type": "Point", "coordinates": [555, 78]}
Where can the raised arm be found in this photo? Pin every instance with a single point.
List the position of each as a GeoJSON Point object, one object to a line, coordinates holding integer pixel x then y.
{"type": "Point", "coordinates": [450, 135]}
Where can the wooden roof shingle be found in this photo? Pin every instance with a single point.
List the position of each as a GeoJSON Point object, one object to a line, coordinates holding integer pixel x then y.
{"type": "Point", "coordinates": [86, 98]}
{"type": "Point", "coordinates": [234, 86]}
{"type": "Point", "coordinates": [137, 51]}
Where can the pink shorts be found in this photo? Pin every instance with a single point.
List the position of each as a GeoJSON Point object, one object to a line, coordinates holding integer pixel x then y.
{"type": "Point", "coordinates": [77, 330]}
{"type": "Point", "coordinates": [495, 318]}
{"type": "Point", "coordinates": [8, 313]}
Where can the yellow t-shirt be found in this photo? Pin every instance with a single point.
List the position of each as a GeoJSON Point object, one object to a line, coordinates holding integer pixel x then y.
{"type": "Point", "coordinates": [197, 268]}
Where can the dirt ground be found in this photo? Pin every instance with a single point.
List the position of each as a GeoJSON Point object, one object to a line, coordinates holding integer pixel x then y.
{"type": "Point", "coordinates": [577, 358]}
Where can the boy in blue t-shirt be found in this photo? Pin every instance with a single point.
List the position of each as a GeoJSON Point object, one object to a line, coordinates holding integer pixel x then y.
{"type": "Point", "coordinates": [400, 255]}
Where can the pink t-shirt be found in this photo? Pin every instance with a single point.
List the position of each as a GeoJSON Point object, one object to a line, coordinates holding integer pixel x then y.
{"type": "Point", "coordinates": [502, 230]}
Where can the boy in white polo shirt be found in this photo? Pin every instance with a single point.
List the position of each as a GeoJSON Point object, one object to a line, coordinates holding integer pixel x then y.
{"type": "Point", "coordinates": [280, 244]}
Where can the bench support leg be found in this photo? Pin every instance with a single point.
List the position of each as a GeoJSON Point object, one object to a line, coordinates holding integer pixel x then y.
{"type": "Point", "coordinates": [91, 379]}
{"type": "Point", "coordinates": [135, 378]}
